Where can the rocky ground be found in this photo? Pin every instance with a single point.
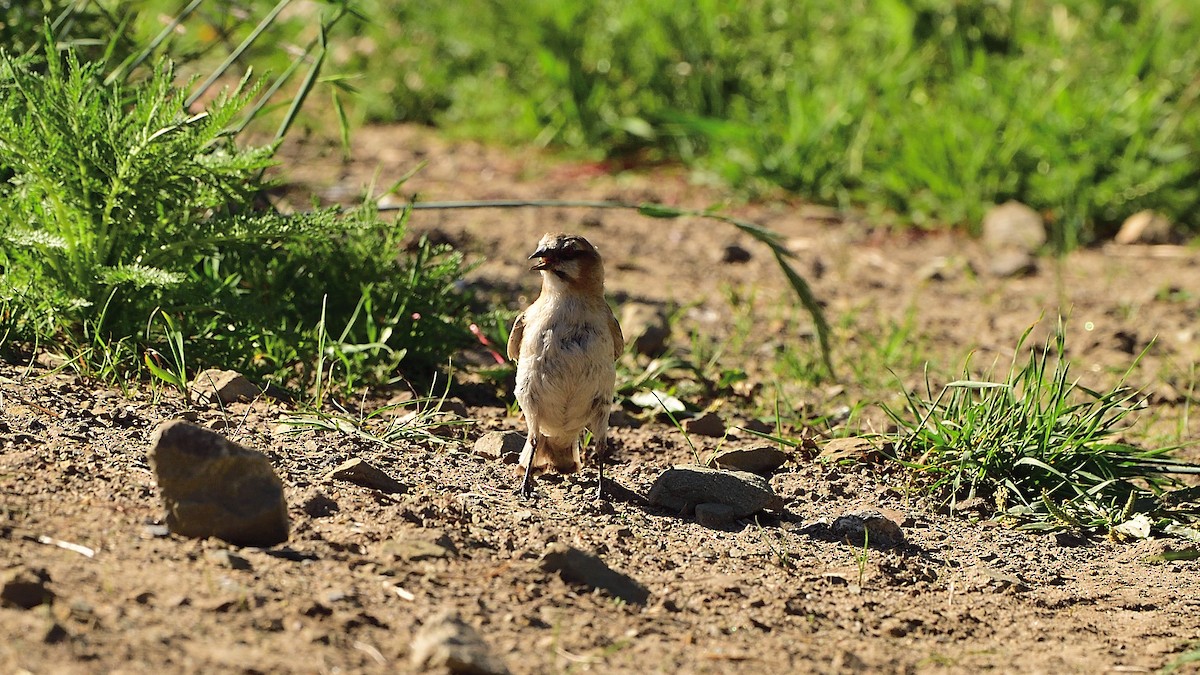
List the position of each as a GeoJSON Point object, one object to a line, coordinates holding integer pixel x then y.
{"type": "Point", "coordinates": [387, 571]}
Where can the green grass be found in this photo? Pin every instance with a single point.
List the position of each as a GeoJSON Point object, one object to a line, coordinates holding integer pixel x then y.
{"type": "Point", "coordinates": [1046, 450]}
{"type": "Point", "coordinates": [133, 225]}
{"type": "Point", "coordinates": [924, 111]}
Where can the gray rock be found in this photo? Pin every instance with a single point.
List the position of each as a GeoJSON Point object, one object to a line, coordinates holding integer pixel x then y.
{"type": "Point", "coordinates": [709, 424]}
{"type": "Point", "coordinates": [646, 326]}
{"type": "Point", "coordinates": [579, 567]}
{"type": "Point", "coordinates": [1011, 263]}
{"type": "Point", "coordinates": [362, 472]}
{"type": "Point", "coordinates": [870, 526]}
{"type": "Point", "coordinates": [715, 516]}
{"type": "Point", "coordinates": [1145, 227]}
{"type": "Point", "coordinates": [760, 459]}
{"type": "Point", "coordinates": [1013, 225]}
{"type": "Point", "coordinates": [500, 445]}
{"type": "Point", "coordinates": [446, 641]}
{"type": "Point", "coordinates": [222, 386]}
{"type": "Point", "coordinates": [25, 588]}
{"type": "Point", "coordinates": [212, 487]}
{"type": "Point", "coordinates": [681, 488]}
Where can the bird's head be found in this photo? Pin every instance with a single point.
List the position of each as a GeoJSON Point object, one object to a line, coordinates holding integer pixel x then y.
{"type": "Point", "coordinates": [570, 259]}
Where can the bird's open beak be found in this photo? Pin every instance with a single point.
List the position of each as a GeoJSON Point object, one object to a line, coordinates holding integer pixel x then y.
{"type": "Point", "coordinates": [542, 256]}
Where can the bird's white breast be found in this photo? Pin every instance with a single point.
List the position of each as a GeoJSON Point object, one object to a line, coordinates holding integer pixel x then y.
{"type": "Point", "coordinates": [566, 367]}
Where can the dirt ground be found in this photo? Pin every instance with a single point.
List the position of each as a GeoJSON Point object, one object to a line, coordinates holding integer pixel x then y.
{"type": "Point", "coordinates": [364, 570]}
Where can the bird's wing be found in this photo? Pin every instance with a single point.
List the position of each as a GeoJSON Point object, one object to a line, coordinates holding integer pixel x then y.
{"type": "Point", "coordinates": [514, 337]}
{"type": "Point", "coordinates": [617, 337]}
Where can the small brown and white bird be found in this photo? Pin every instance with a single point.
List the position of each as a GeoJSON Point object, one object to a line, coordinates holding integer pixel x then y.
{"type": "Point", "coordinates": [566, 345]}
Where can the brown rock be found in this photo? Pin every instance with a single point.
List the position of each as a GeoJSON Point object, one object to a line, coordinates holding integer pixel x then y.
{"type": "Point", "coordinates": [212, 487]}
{"type": "Point", "coordinates": [868, 526]}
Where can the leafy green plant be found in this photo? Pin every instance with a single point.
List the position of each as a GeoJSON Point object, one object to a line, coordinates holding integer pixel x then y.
{"type": "Point", "coordinates": [1046, 449]}
{"type": "Point", "coordinates": [120, 203]}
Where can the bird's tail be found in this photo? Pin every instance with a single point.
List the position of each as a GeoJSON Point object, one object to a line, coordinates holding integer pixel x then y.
{"type": "Point", "coordinates": [560, 454]}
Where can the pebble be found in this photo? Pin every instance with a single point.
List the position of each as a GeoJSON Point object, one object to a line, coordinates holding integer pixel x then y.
{"type": "Point", "coordinates": [1013, 225]}
{"type": "Point", "coordinates": [709, 424]}
{"type": "Point", "coordinates": [446, 641]}
{"type": "Point", "coordinates": [761, 459]}
{"type": "Point", "coordinates": [715, 516]}
{"type": "Point", "coordinates": [1011, 263]}
{"type": "Point", "coordinates": [361, 472]}
{"type": "Point", "coordinates": [222, 387]}
{"type": "Point", "coordinates": [500, 445]}
{"type": "Point", "coordinates": [212, 487]}
{"type": "Point", "coordinates": [646, 326]}
{"type": "Point", "coordinates": [870, 526]}
{"type": "Point", "coordinates": [1145, 227]}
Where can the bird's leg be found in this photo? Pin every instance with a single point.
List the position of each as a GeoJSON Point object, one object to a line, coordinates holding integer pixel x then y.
{"type": "Point", "coordinates": [527, 483]}
{"type": "Point", "coordinates": [601, 450]}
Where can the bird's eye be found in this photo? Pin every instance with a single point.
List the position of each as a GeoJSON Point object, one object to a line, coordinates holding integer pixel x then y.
{"type": "Point", "coordinates": [570, 254]}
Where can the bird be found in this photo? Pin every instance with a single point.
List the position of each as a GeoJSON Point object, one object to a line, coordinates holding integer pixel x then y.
{"type": "Point", "coordinates": [566, 345]}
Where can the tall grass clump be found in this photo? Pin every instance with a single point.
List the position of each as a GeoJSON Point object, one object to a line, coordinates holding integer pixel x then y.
{"type": "Point", "coordinates": [130, 221]}
{"type": "Point", "coordinates": [1046, 450]}
{"type": "Point", "coordinates": [923, 111]}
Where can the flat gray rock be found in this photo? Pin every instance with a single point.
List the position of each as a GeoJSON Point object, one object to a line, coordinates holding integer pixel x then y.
{"type": "Point", "coordinates": [715, 516]}
{"type": "Point", "coordinates": [446, 641]}
{"type": "Point", "coordinates": [213, 487]}
{"type": "Point", "coordinates": [682, 488]}
{"type": "Point", "coordinates": [579, 567]}
{"type": "Point", "coordinates": [761, 459]}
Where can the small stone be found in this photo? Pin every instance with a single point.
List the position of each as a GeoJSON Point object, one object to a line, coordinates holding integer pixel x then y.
{"type": "Point", "coordinates": [228, 559]}
{"type": "Point", "coordinates": [223, 387]}
{"type": "Point", "coordinates": [25, 588]}
{"type": "Point", "coordinates": [734, 255]}
{"type": "Point", "coordinates": [869, 526]}
{"type": "Point", "coordinates": [500, 444]}
{"type": "Point", "coordinates": [1013, 225]}
{"type": "Point", "coordinates": [760, 459]}
{"type": "Point", "coordinates": [709, 424]}
{"type": "Point", "coordinates": [851, 449]}
{"type": "Point", "coordinates": [1145, 227]}
{"type": "Point", "coordinates": [361, 472]}
{"type": "Point", "coordinates": [681, 488]}
{"type": "Point", "coordinates": [646, 326]}
{"type": "Point", "coordinates": [212, 487]}
{"type": "Point", "coordinates": [1011, 263]}
{"type": "Point", "coordinates": [446, 641]}
{"type": "Point", "coordinates": [715, 516]}
{"type": "Point", "coordinates": [413, 549]}
{"type": "Point", "coordinates": [579, 567]}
